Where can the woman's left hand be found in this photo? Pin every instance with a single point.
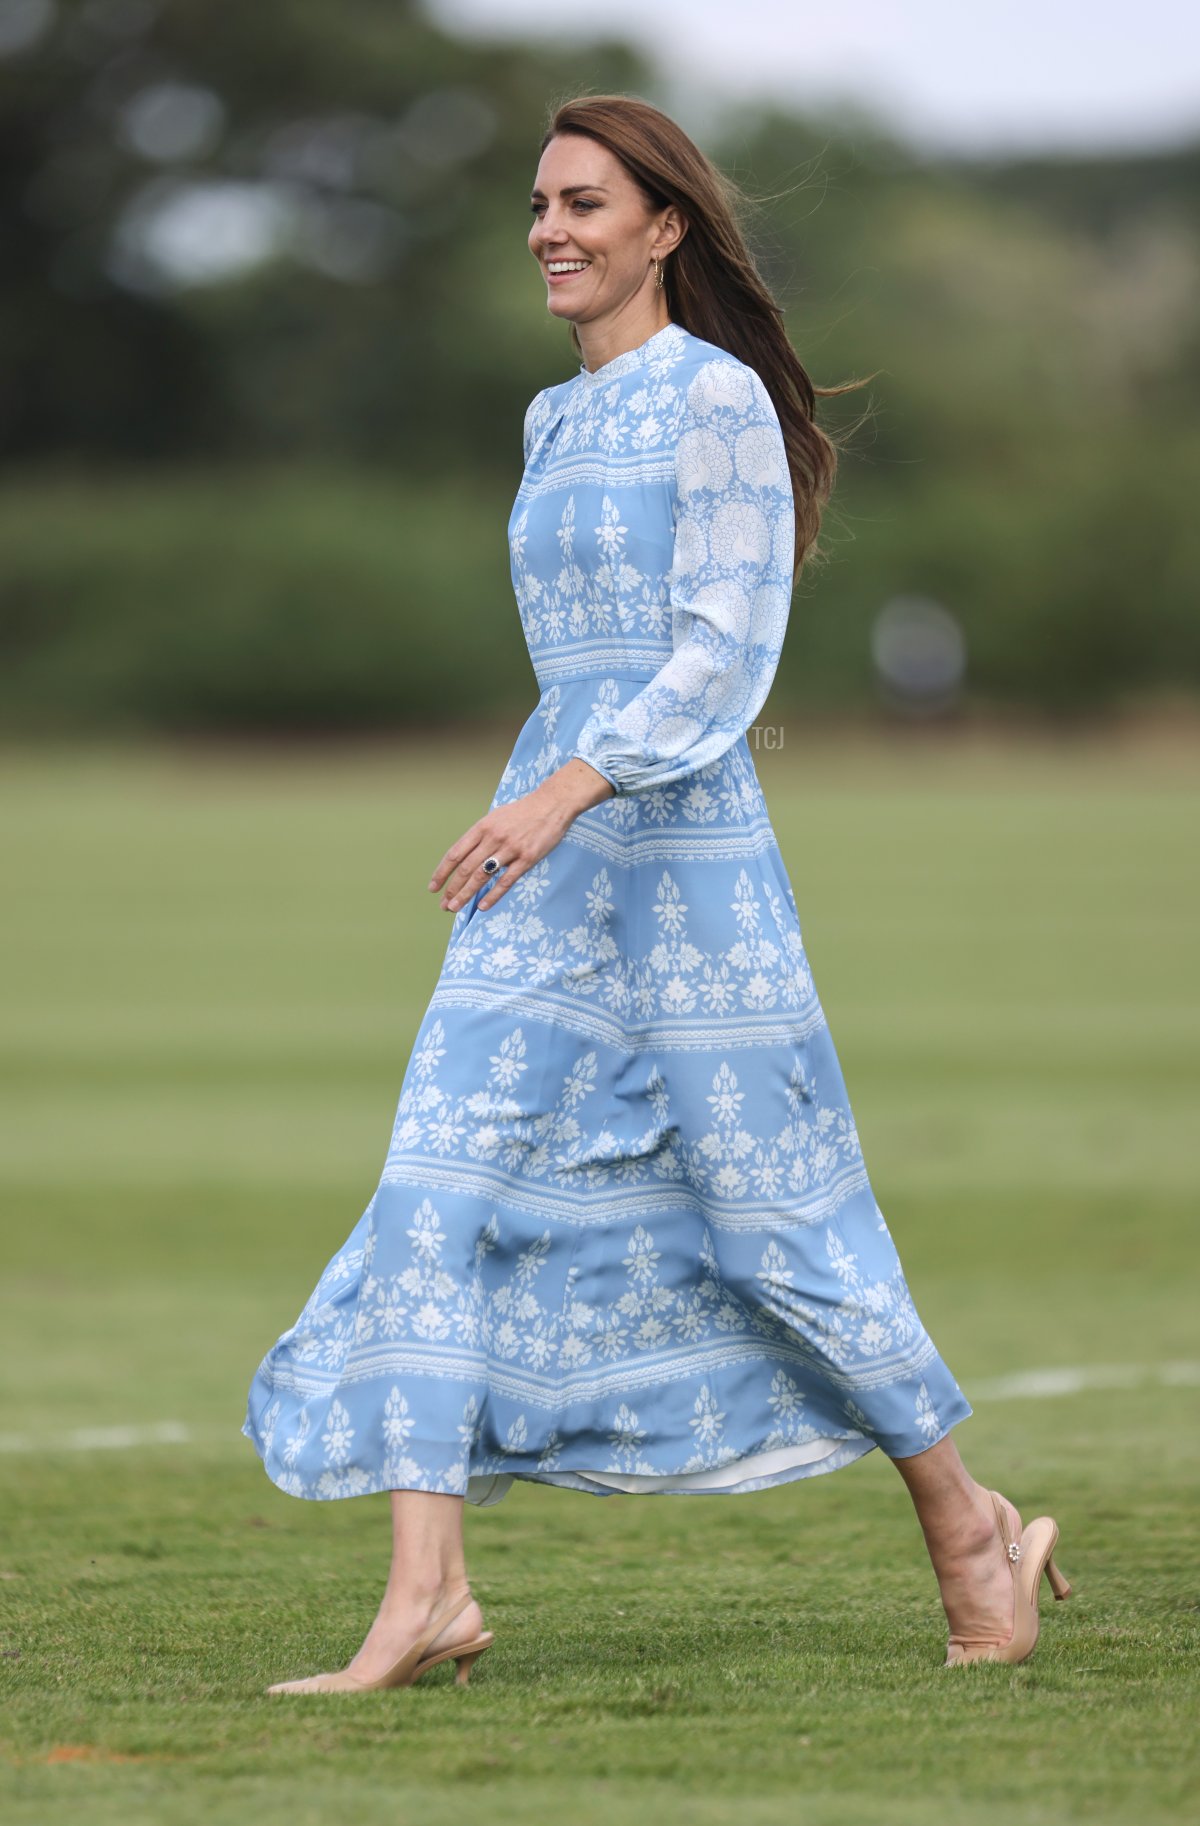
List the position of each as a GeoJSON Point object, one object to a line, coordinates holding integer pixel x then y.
{"type": "Point", "coordinates": [518, 834]}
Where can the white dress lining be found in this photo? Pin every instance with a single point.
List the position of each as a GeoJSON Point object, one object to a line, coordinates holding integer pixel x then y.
{"type": "Point", "coordinates": [754, 1470]}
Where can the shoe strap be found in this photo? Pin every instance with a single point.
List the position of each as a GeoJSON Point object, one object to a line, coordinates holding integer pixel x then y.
{"type": "Point", "coordinates": [454, 1607]}
{"type": "Point", "coordinates": [1012, 1544]}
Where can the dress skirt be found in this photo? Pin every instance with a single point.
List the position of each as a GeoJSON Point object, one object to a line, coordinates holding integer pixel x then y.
{"type": "Point", "coordinates": [624, 1238]}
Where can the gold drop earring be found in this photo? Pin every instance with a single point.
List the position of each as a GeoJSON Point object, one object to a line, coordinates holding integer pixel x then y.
{"type": "Point", "coordinates": [658, 273]}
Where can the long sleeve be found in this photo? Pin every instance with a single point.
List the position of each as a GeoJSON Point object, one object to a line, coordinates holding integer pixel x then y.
{"type": "Point", "coordinates": [730, 590]}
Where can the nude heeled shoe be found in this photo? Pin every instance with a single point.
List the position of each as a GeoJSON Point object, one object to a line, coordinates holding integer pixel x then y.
{"type": "Point", "coordinates": [1028, 1557]}
{"type": "Point", "coordinates": [412, 1663]}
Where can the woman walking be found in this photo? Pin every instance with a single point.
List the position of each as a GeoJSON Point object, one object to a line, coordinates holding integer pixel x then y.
{"type": "Point", "coordinates": [624, 1238]}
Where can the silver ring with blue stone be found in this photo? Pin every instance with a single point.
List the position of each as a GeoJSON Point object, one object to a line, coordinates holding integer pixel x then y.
{"type": "Point", "coordinates": [490, 866]}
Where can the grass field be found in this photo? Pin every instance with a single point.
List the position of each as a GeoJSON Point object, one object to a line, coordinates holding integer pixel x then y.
{"type": "Point", "coordinates": [215, 966]}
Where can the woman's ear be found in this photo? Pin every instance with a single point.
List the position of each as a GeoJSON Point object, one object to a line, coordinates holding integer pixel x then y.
{"type": "Point", "coordinates": [671, 230]}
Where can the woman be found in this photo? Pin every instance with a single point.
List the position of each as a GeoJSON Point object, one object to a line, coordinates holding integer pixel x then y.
{"type": "Point", "coordinates": [624, 1238]}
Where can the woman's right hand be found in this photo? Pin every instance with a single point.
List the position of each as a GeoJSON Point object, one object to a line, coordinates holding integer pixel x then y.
{"type": "Point", "coordinates": [518, 834]}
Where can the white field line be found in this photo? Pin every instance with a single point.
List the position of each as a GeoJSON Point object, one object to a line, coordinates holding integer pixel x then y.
{"type": "Point", "coordinates": [1026, 1385]}
{"type": "Point", "coordinates": [97, 1439]}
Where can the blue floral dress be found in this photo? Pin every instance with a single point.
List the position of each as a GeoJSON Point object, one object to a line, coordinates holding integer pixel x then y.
{"type": "Point", "coordinates": [624, 1237]}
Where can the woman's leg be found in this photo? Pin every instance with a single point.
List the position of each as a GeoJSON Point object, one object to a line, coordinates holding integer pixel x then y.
{"type": "Point", "coordinates": [427, 1564]}
{"type": "Point", "coordinates": [959, 1523]}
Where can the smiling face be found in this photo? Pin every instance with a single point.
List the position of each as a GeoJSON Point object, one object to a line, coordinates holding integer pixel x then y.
{"type": "Point", "coordinates": [593, 234]}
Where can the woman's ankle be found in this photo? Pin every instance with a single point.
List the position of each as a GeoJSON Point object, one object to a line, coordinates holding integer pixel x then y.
{"type": "Point", "coordinates": [423, 1590]}
{"type": "Point", "coordinates": [960, 1533]}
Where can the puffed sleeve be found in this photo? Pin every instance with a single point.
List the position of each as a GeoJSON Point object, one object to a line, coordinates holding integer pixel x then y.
{"type": "Point", "coordinates": [730, 590]}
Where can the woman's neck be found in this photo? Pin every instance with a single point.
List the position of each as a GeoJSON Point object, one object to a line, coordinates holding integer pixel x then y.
{"type": "Point", "coordinates": [604, 340]}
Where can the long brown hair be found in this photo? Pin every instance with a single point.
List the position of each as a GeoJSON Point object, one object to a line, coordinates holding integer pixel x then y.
{"type": "Point", "coordinates": [713, 287]}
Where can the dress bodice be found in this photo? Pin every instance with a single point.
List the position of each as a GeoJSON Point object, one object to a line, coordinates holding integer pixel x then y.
{"type": "Point", "coordinates": [652, 539]}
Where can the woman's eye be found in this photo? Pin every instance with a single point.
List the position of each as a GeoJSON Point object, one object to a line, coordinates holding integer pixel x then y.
{"type": "Point", "coordinates": [580, 203]}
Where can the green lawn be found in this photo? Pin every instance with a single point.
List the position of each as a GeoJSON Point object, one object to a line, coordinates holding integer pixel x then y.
{"type": "Point", "coordinates": [215, 964]}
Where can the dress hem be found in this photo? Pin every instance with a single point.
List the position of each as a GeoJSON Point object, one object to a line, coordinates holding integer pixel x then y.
{"type": "Point", "coordinates": [485, 1489]}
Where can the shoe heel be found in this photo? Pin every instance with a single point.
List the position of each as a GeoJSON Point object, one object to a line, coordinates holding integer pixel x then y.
{"type": "Point", "coordinates": [463, 1665]}
{"type": "Point", "coordinates": [1060, 1586]}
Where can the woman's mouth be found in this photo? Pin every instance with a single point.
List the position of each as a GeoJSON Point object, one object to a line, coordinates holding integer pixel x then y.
{"type": "Point", "coordinates": [558, 271]}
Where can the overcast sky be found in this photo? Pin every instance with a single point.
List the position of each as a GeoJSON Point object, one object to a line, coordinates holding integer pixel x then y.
{"type": "Point", "coordinates": [1018, 75]}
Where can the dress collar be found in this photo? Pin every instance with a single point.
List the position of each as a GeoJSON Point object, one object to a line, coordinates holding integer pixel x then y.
{"type": "Point", "coordinates": [661, 343]}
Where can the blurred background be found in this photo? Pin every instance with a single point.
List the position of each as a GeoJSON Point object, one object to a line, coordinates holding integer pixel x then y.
{"type": "Point", "coordinates": [270, 326]}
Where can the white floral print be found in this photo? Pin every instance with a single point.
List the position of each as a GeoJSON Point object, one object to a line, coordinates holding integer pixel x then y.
{"type": "Point", "coordinates": [624, 1234]}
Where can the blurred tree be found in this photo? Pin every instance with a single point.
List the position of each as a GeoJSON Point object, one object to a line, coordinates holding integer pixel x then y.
{"type": "Point", "coordinates": [250, 254]}
{"type": "Point", "coordinates": [270, 228]}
